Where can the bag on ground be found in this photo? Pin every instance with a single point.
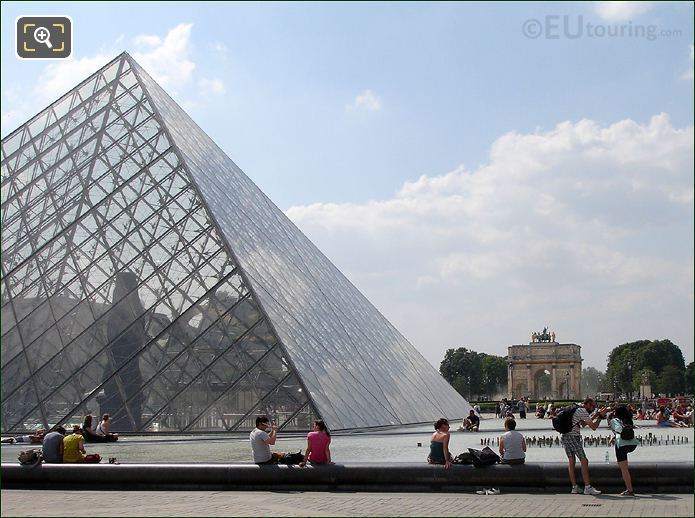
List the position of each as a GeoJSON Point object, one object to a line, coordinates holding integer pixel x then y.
{"type": "Point", "coordinates": [562, 422]}
{"type": "Point", "coordinates": [92, 458]}
{"type": "Point", "coordinates": [483, 458]}
{"type": "Point", "coordinates": [29, 457]}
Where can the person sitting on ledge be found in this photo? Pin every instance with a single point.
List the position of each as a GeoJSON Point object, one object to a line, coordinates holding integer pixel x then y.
{"type": "Point", "coordinates": [472, 422]}
{"type": "Point", "coordinates": [439, 446]}
{"type": "Point", "coordinates": [73, 446]}
{"type": "Point", "coordinates": [261, 441]}
{"type": "Point", "coordinates": [512, 444]}
{"type": "Point", "coordinates": [53, 446]}
{"type": "Point", "coordinates": [318, 447]}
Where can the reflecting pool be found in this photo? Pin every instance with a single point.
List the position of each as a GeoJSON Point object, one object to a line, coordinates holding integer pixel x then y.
{"type": "Point", "coordinates": [407, 445]}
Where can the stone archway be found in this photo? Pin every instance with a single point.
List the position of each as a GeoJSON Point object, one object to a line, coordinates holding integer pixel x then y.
{"type": "Point", "coordinates": [528, 365]}
{"type": "Point", "coordinates": [542, 383]}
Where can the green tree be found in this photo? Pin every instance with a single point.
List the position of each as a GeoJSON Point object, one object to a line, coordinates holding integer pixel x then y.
{"type": "Point", "coordinates": [690, 378]}
{"type": "Point", "coordinates": [472, 374]}
{"type": "Point", "coordinates": [671, 380]}
{"type": "Point", "coordinates": [625, 360]}
{"type": "Point", "coordinates": [591, 381]}
{"type": "Point", "coordinates": [494, 374]}
{"type": "Point", "coordinates": [463, 369]}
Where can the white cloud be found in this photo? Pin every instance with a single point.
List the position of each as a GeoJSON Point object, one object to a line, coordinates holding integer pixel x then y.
{"type": "Point", "coordinates": [55, 80]}
{"type": "Point", "coordinates": [689, 73]}
{"type": "Point", "coordinates": [366, 101]}
{"type": "Point", "coordinates": [168, 59]}
{"type": "Point", "coordinates": [211, 86]}
{"type": "Point", "coordinates": [58, 78]}
{"type": "Point", "coordinates": [589, 226]}
{"type": "Point", "coordinates": [622, 11]}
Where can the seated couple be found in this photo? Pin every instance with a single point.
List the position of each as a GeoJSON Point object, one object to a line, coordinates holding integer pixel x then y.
{"type": "Point", "coordinates": [101, 434]}
{"type": "Point", "coordinates": [317, 450]}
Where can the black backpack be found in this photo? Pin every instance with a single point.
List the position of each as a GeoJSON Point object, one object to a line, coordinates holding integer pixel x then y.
{"type": "Point", "coordinates": [628, 432]}
{"type": "Point", "coordinates": [562, 422]}
{"type": "Point", "coordinates": [483, 458]}
{"type": "Point", "coordinates": [292, 458]}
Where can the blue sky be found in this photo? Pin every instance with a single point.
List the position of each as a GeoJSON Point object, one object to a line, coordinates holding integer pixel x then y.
{"type": "Point", "coordinates": [475, 183]}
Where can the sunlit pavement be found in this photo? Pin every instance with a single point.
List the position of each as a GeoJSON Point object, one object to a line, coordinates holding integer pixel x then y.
{"type": "Point", "coordinates": [264, 503]}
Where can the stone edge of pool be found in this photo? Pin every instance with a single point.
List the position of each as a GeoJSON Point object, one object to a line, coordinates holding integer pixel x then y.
{"type": "Point", "coordinates": [667, 477]}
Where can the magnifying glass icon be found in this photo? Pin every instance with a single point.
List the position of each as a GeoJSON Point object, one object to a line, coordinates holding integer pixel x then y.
{"type": "Point", "coordinates": [42, 35]}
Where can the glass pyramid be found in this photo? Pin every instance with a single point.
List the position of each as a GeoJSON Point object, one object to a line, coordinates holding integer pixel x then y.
{"type": "Point", "coordinates": [144, 275]}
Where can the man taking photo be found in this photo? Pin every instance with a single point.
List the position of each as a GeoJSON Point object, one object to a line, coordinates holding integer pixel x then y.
{"type": "Point", "coordinates": [572, 442]}
{"type": "Point", "coordinates": [261, 441]}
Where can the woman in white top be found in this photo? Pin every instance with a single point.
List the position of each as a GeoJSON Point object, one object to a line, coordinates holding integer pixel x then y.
{"type": "Point", "coordinates": [103, 429]}
{"type": "Point", "coordinates": [512, 444]}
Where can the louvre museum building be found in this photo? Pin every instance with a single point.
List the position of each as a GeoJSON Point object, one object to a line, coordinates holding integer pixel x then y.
{"type": "Point", "coordinates": [144, 275]}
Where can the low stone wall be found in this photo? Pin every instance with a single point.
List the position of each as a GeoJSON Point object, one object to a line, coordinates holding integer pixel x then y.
{"type": "Point", "coordinates": [393, 477]}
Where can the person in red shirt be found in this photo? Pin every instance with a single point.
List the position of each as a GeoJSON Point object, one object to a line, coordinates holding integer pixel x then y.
{"type": "Point", "coordinates": [318, 447]}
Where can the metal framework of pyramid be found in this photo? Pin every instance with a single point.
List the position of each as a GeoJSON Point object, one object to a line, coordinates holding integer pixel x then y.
{"type": "Point", "coordinates": [144, 275]}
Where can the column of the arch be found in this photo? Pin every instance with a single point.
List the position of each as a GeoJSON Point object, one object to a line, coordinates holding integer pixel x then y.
{"type": "Point", "coordinates": [576, 378]}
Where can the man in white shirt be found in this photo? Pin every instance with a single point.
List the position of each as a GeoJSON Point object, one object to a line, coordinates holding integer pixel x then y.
{"type": "Point", "coordinates": [261, 441]}
{"type": "Point", "coordinates": [572, 442]}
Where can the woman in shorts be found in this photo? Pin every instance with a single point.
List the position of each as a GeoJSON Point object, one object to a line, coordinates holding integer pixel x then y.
{"type": "Point", "coordinates": [621, 418]}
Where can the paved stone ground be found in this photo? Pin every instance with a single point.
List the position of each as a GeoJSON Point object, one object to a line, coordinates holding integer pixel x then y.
{"type": "Point", "coordinates": [265, 503]}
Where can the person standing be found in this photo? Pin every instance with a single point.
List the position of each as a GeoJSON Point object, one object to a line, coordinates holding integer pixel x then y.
{"type": "Point", "coordinates": [261, 441]}
{"type": "Point", "coordinates": [318, 447]}
{"type": "Point", "coordinates": [53, 446]}
{"type": "Point", "coordinates": [522, 408]}
{"type": "Point", "coordinates": [512, 444]}
{"type": "Point", "coordinates": [572, 442]}
{"type": "Point", "coordinates": [621, 419]}
{"type": "Point", "coordinates": [497, 409]}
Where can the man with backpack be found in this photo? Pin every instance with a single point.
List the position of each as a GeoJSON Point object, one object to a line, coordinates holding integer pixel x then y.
{"type": "Point", "coordinates": [568, 423]}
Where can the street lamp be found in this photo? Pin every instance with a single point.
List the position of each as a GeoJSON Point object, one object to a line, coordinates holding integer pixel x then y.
{"type": "Point", "coordinates": [629, 380]}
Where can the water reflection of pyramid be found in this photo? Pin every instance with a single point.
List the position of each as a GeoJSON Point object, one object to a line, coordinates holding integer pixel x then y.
{"type": "Point", "coordinates": [145, 276]}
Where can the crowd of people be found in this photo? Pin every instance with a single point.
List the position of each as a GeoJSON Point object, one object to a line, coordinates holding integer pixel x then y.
{"type": "Point", "coordinates": [59, 447]}
{"type": "Point", "coordinates": [512, 444]}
